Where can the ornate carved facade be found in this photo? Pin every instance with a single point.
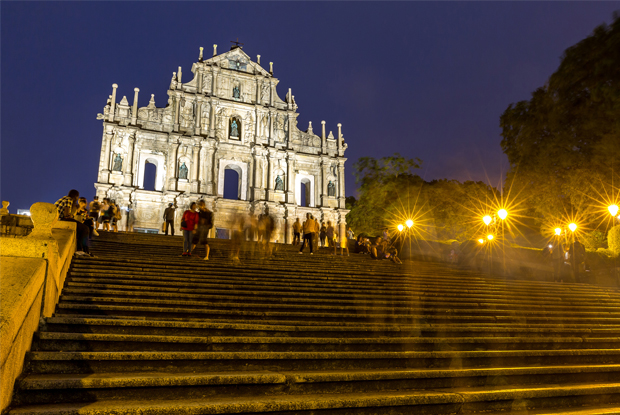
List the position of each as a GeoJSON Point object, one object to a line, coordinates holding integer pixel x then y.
{"type": "Point", "coordinates": [229, 116]}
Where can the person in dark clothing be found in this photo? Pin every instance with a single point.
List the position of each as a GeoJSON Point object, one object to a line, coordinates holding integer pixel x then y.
{"type": "Point", "coordinates": [189, 225]}
{"type": "Point", "coordinates": [169, 219]}
{"type": "Point", "coordinates": [205, 223]}
{"type": "Point", "coordinates": [577, 256]}
{"type": "Point", "coordinates": [65, 206]}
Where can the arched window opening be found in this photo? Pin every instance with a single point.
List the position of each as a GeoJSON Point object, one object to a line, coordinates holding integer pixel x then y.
{"type": "Point", "coordinates": [150, 173]}
{"type": "Point", "coordinates": [305, 193]}
{"type": "Point", "coordinates": [232, 184]}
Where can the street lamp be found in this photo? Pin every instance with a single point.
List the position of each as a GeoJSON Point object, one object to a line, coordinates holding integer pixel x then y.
{"type": "Point", "coordinates": [502, 214]}
{"type": "Point", "coordinates": [490, 237]}
{"type": "Point", "coordinates": [572, 227]}
{"type": "Point", "coordinates": [409, 223]}
{"type": "Point", "coordinates": [487, 219]}
{"type": "Point", "coordinates": [558, 231]}
{"type": "Point", "coordinates": [481, 240]}
{"type": "Point", "coordinates": [400, 228]}
{"type": "Point", "coordinates": [613, 209]}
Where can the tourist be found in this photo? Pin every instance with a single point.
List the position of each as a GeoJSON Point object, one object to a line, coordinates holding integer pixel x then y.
{"type": "Point", "coordinates": [205, 223]}
{"type": "Point", "coordinates": [315, 233]}
{"type": "Point", "coordinates": [385, 239]}
{"type": "Point", "coordinates": [131, 218]}
{"type": "Point", "coordinates": [350, 234]}
{"type": "Point", "coordinates": [267, 227]}
{"type": "Point", "coordinates": [360, 246]}
{"type": "Point", "coordinates": [169, 219]}
{"type": "Point", "coordinates": [344, 243]}
{"type": "Point", "coordinates": [64, 205]}
{"type": "Point", "coordinates": [322, 234]}
{"type": "Point", "coordinates": [308, 229]}
{"type": "Point", "coordinates": [82, 215]}
{"type": "Point", "coordinates": [238, 228]}
{"type": "Point", "coordinates": [106, 214]}
{"type": "Point", "coordinates": [393, 255]}
{"type": "Point", "coordinates": [578, 256]}
{"type": "Point", "coordinates": [189, 225]}
{"type": "Point", "coordinates": [116, 216]}
{"type": "Point", "coordinates": [296, 232]}
{"type": "Point", "coordinates": [329, 234]}
{"type": "Point", "coordinates": [93, 210]}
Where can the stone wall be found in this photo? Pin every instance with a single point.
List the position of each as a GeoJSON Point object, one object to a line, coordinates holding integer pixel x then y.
{"type": "Point", "coordinates": [34, 268]}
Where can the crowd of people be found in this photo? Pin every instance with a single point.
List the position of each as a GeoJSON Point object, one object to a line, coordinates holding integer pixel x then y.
{"type": "Point", "coordinates": [88, 217]}
{"type": "Point", "coordinates": [568, 259]}
{"type": "Point", "coordinates": [197, 222]}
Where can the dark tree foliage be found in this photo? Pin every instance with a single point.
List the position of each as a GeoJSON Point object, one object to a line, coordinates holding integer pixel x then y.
{"type": "Point", "coordinates": [390, 193]}
{"type": "Point", "coordinates": [564, 143]}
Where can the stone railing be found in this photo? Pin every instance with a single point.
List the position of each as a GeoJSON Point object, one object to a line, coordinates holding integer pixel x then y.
{"type": "Point", "coordinates": [34, 268]}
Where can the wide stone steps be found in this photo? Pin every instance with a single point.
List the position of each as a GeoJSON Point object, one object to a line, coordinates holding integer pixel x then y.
{"type": "Point", "coordinates": [141, 330]}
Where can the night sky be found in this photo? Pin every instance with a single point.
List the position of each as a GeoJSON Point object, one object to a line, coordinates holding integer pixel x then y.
{"type": "Point", "coordinates": [428, 80]}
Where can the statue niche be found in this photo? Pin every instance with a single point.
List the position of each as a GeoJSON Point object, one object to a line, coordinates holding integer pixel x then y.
{"type": "Point", "coordinates": [118, 163]}
{"type": "Point", "coordinates": [236, 92]}
{"type": "Point", "coordinates": [279, 183]}
{"type": "Point", "coordinates": [183, 170]}
{"type": "Point", "coordinates": [331, 189]}
{"type": "Point", "coordinates": [235, 128]}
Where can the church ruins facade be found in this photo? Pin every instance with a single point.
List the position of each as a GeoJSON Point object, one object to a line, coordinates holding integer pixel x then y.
{"type": "Point", "coordinates": [228, 116]}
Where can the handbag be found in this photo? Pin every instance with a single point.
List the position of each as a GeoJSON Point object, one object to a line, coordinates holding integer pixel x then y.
{"type": "Point", "coordinates": [183, 224]}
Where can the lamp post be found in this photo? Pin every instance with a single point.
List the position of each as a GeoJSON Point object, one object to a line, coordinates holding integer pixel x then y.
{"type": "Point", "coordinates": [613, 209]}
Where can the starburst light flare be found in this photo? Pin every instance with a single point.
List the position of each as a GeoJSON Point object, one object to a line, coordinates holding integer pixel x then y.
{"type": "Point", "coordinates": [487, 219]}
{"type": "Point", "coordinates": [572, 227]}
{"type": "Point", "coordinates": [400, 227]}
{"type": "Point", "coordinates": [409, 223]}
{"type": "Point", "coordinates": [502, 213]}
{"type": "Point", "coordinates": [558, 231]}
{"type": "Point", "coordinates": [613, 209]}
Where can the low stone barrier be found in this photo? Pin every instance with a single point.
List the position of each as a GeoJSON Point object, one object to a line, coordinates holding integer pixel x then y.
{"type": "Point", "coordinates": [34, 268]}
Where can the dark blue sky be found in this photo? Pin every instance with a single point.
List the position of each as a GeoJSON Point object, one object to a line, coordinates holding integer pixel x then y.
{"type": "Point", "coordinates": [428, 80]}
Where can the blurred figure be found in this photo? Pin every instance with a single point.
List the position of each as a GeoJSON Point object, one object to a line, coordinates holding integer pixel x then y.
{"type": "Point", "coordinates": [307, 228]}
{"type": "Point", "coordinates": [329, 234]}
{"type": "Point", "coordinates": [93, 210]}
{"type": "Point", "coordinates": [344, 244]}
{"type": "Point", "coordinates": [106, 214]}
{"type": "Point", "coordinates": [237, 237]}
{"type": "Point", "coordinates": [266, 225]}
{"type": "Point", "coordinates": [296, 232]}
{"type": "Point", "coordinates": [189, 225]}
{"type": "Point", "coordinates": [578, 256]}
{"type": "Point", "coordinates": [205, 223]}
{"type": "Point", "coordinates": [393, 255]}
{"type": "Point", "coordinates": [322, 234]}
{"type": "Point", "coordinates": [82, 216]}
{"type": "Point", "coordinates": [66, 207]}
{"type": "Point", "coordinates": [315, 233]}
{"type": "Point", "coordinates": [116, 216]}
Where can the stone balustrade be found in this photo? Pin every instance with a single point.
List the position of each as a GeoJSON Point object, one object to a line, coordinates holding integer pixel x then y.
{"type": "Point", "coordinates": [34, 268]}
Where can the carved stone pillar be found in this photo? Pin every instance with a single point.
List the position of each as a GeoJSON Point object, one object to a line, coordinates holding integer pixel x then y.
{"type": "Point", "coordinates": [134, 110]}
{"type": "Point", "coordinates": [195, 167]}
{"type": "Point", "coordinates": [209, 163]}
{"type": "Point", "coordinates": [198, 117]}
{"type": "Point", "coordinates": [173, 147]}
{"type": "Point", "coordinates": [290, 188]}
{"type": "Point", "coordinates": [272, 94]}
{"type": "Point", "coordinates": [214, 104]}
{"type": "Point", "coordinates": [270, 177]}
{"type": "Point", "coordinates": [104, 165]}
{"type": "Point", "coordinates": [271, 115]}
{"type": "Point", "coordinates": [177, 108]}
{"type": "Point", "coordinates": [113, 103]}
{"type": "Point", "coordinates": [341, 198]}
{"type": "Point", "coordinates": [199, 83]}
{"type": "Point", "coordinates": [324, 181]}
{"type": "Point", "coordinates": [128, 179]}
{"type": "Point", "coordinates": [323, 139]}
{"type": "Point", "coordinates": [214, 90]}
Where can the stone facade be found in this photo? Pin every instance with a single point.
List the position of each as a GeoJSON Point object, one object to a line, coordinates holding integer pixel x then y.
{"type": "Point", "coordinates": [229, 116]}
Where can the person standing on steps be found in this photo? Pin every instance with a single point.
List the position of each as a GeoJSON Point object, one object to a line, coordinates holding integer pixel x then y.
{"type": "Point", "coordinates": [344, 243]}
{"type": "Point", "coordinates": [83, 216]}
{"type": "Point", "coordinates": [296, 232]}
{"type": "Point", "coordinates": [315, 234]}
{"type": "Point", "coordinates": [329, 233]}
{"type": "Point", "coordinates": [205, 223]}
{"type": "Point", "coordinates": [308, 228]}
{"type": "Point", "coordinates": [93, 210]}
{"type": "Point", "coordinates": [189, 225]}
{"type": "Point", "coordinates": [322, 233]}
{"type": "Point", "coordinates": [169, 219]}
{"type": "Point", "coordinates": [65, 205]}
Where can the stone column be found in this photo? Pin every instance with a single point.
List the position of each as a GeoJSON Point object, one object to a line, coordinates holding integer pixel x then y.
{"type": "Point", "coordinates": [199, 83]}
{"type": "Point", "coordinates": [290, 131]}
{"type": "Point", "coordinates": [112, 103]}
{"type": "Point", "coordinates": [198, 116]}
{"type": "Point", "coordinates": [172, 163]}
{"type": "Point", "coordinates": [324, 181]}
{"type": "Point", "coordinates": [209, 163]}
{"type": "Point", "coordinates": [272, 95]}
{"type": "Point", "coordinates": [177, 108]}
{"type": "Point", "coordinates": [212, 118]}
{"type": "Point", "coordinates": [195, 167]}
{"type": "Point", "coordinates": [341, 198]}
{"type": "Point", "coordinates": [290, 188]}
{"type": "Point", "coordinates": [104, 166]}
{"type": "Point", "coordinates": [323, 139]}
{"type": "Point", "coordinates": [339, 137]}
{"type": "Point", "coordinates": [271, 115]}
{"type": "Point", "coordinates": [134, 110]}
{"type": "Point", "coordinates": [128, 179]}
{"type": "Point", "coordinates": [214, 88]}
{"type": "Point", "coordinates": [270, 178]}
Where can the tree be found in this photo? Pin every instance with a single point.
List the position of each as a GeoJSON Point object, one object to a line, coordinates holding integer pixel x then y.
{"type": "Point", "coordinates": [390, 193]}
{"type": "Point", "coordinates": [563, 144]}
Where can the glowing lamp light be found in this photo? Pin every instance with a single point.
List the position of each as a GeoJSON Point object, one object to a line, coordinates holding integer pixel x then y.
{"type": "Point", "coordinates": [400, 228]}
{"type": "Point", "coordinates": [490, 237]}
{"type": "Point", "coordinates": [409, 223]}
{"type": "Point", "coordinates": [613, 209]}
{"type": "Point", "coordinates": [502, 214]}
{"type": "Point", "coordinates": [572, 227]}
{"type": "Point", "coordinates": [487, 219]}
{"type": "Point", "coordinates": [558, 231]}
{"type": "Point", "coordinates": [481, 240]}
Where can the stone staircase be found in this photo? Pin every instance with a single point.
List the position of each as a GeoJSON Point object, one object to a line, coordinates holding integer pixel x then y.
{"type": "Point", "coordinates": [141, 330]}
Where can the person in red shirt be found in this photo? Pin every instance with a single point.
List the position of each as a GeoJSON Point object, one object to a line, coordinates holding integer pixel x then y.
{"type": "Point", "coordinates": [189, 224]}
